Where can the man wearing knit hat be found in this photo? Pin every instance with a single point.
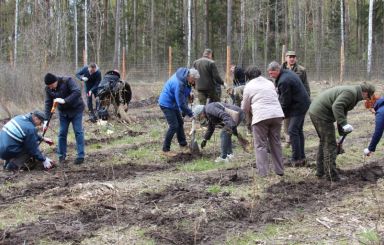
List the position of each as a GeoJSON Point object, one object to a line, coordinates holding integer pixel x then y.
{"type": "Point", "coordinates": [66, 92]}
{"type": "Point", "coordinates": [332, 105]}
{"type": "Point", "coordinates": [19, 142]}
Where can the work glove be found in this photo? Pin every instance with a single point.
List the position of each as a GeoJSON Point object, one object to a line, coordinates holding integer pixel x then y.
{"type": "Point", "coordinates": [89, 94]}
{"type": "Point", "coordinates": [367, 152]}
{"type": "Point", "coordinates": [45, 126]}
{"type": "Point", "coordinates": [347, 128]}
{"type": "Point", "coordinates": [59, 100]}
{"type": "Point", "coordinates": [48, 141]}
{"type": "Point", "coordinates": [84, 79]}
{"type": "Point", "coordinates": [203, 144]}
{"type": "Point", "coordinates": [48, 164]}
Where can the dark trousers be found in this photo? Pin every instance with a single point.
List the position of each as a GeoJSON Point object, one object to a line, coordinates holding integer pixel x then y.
{"type": "Point", "coordinates": [212, 95]}
{"type": "Point", "coordinates": [176, 126]}
{"type": "Point", "coordinates": [326, 154]}
{"type": "Point", "coordinates": [226, 143]}
{"type": "Point", "coordinates": [296, 135]}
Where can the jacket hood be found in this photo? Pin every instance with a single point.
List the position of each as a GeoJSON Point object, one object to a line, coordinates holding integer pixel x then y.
{"type": "Point", "coordinates": [182, 74]}
{"type": "Point", "coordinates": [379, 103]}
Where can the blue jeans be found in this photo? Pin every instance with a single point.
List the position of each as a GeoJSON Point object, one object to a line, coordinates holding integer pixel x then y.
{"type": "Point", "coordinates": [176, 126]}
{"type": "Point", "coordinates": [77, 124]}
{"type": "Point", "coordinates": [296, 135]}
{"type": "Point", "coordinates": [226, 143]}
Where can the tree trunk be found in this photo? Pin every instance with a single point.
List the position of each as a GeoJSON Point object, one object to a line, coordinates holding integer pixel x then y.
{"type": "Point", "coordinates": [266, 40]}
{"type": "Point", "coordinates": [16, 33]}
{"type": "Point", "coordinates": [277, 43]}
{"type": "Point", "coordinates": [152, 31]}
{"type": "Point", "coordinates": [242, 28]}
{"type": "Point", "coordinates": [85, 61]}
{"type": "Point", "coordinates": [342, 57]}
{"type": "Point", "coordinates": [206, 24]}
{"type": "Point", "coordinates": [369, 56]}
{"type": "Point", "coordinates": [189, 33]}
{"type": "Point", "coordinates": [76, 37]}
{"type": "Point", "coordinates": [135, 31]}
{"type": "Point", "coordinates": [117, 36]}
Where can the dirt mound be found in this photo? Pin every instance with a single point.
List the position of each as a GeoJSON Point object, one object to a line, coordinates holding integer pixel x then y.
{"type": "Point", "coordinates": [145, 102]}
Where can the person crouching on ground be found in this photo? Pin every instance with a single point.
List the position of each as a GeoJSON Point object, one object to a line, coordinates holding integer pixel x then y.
{"type": "Point", "coordinates": [66, 92]}
{"type": "Point", "coordinates": [260, 99]}
{"type": "Point", "coordinates": [379, 126]}
{"type": "Point", "coordinates": [173, 102]}
{"type": "Point", "coordinates": [213, 115]}
{"type": "Point", "coordinates": [19, 141]}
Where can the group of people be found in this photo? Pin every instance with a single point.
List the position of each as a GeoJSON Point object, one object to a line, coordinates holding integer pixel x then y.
{"type": "Point", "coordinates": [266, 104]}
{"type": "Point", "coordinates": [19, 138]}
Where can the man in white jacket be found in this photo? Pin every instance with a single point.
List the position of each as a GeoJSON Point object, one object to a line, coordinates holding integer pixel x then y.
{"type": "Point", "coordinates": [260, 99]}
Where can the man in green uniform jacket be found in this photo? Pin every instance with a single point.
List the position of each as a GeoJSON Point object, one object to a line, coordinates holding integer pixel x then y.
{"type": "Point", "coordinates": [331, 106]}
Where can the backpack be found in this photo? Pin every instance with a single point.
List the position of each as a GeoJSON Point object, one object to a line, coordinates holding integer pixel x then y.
{"type": "Point", "coordinates": [108, 84]}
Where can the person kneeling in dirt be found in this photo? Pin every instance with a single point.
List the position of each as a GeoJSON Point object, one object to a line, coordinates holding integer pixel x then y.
{"type": "Point", "coordinates": [331, 106]}
{"type": "Point", "coordinates": [213, 115]}
{"type": "Point", "coordinates": [66, 92]}
{"type": "Point", "coordinates": [172, 100]}
{"type": "Point", "coordinates": [19, 142]}
{"type": "Point", "coordinates": [378, 107]}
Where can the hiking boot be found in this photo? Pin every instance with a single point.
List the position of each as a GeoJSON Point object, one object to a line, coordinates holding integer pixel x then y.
{"type": "Point", "coordinates": [220, 159]}
{"type": "Point", "coordinates": [169, 153]}
{"type": "Point", "coordinates": [79, 161]}
{"type": "Point", "coordinates": [10, 166]}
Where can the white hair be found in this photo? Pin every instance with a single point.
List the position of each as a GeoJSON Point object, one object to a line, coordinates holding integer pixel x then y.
{"type": "Point", "coordinates": [194, 73]}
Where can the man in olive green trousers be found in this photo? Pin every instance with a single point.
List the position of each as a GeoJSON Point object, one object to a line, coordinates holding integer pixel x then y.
{"type": "Point", "coordinates": [332, 106]}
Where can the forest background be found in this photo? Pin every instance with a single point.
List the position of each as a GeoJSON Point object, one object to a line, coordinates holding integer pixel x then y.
{"type": "Point", "coordinates": [336, 40]}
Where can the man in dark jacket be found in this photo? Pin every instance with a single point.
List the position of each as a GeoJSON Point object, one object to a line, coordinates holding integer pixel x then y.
{"type": "Point", "coordinates": [331, 106]}
{"type": "Point", "coordinates": [379, 126]}
{"type": "Point", "coordinates": [19, 141]}
{"type": "Point", "coordinates": [173, 102]}
{"type": "Point", "coordinates": [208, 86]}
{"type": "Point", "coordinates": [66, 92]}
{"type": "Point", "coordinates": [295, 102]}
{"type": "Point", "coordinates": [214, 115]}
{"type": "Point", "coordinates": [91, 76]}
{"type": "Point", "coordinates": [291, 64]}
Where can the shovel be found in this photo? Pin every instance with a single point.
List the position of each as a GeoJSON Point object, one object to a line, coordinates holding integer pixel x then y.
{"type": "Point", "coordinates": [339, 149]}
{"type": "Point", "coordinates": [193, 145]}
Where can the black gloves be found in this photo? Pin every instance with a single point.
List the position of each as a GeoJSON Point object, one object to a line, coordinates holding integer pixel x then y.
{"type": "Point", "coordinates": [203, 144]}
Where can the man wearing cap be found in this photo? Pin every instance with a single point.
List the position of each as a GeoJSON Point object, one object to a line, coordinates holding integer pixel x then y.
{"type": "Point", "coordinates": [209, 84]}
{"type": "Point", "coordinates": [173, 102]}
{"type": "Point", "coordinates": [291, 64]}
{"type": "Point", "coordinates": [332, 105]}
{"type": "Point", "coordinates": [295, 102]}
{"type": "Point", "coordinates": [66, 92]}
{"type": "Point", "coordinates": [19, 142]}
{"type": "Point", "coordinates": [91, 76]}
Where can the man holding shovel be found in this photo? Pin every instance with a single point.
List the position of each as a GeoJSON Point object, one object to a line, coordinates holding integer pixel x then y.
{"type": "Point", "coordinates": [19, 142]}
{"type": "Point", "coordinates": [218, 114]}
{"type": "Point", "coordinates": [66, 92]}
{"type": "Point", "coordinates": [174, 104]}
{"type": "Point", "coordinates": [331, 106]}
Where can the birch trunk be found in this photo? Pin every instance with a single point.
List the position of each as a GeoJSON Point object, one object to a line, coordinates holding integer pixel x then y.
{"type": "Point", "coordinates": [189, 44]}
{"type": "Point", "coordinates": [117, 36]}
{"type": "Point", "coordinates": [369, 56]}
{"type": "Point", "coordinates": [342, 56]}
{"type": "Point", "coordinates": [85, 33]}
{"type": "Point", "coordinates": [76, 37]}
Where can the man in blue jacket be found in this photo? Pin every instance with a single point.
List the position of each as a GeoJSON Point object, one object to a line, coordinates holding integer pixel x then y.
{"type": "Point", "coordinates": [295, 102]}
{"type": "Point", "coordinates": [173, 102]}
{"type": "Point", "coordinates": [66, 92]}
{"type": "Point", "coordinates": [91, 76]}
{"type": "Point", "coordinates": [379, 126]}
{"type": "Point", "coordinates": [19, 141]}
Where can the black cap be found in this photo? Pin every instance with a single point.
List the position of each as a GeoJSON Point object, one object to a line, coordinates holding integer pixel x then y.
{"type": "Point", "coordinates": [50, 78]}
{"type": "Point", "coordinates": [39, 114]}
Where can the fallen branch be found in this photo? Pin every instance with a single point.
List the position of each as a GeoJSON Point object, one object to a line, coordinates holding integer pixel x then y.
{"type": "Point", "coordinates": [323, 223]}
